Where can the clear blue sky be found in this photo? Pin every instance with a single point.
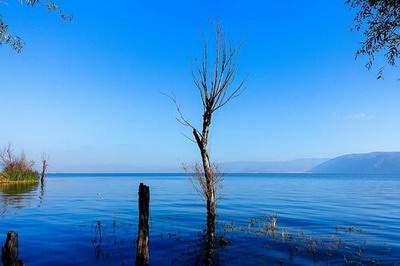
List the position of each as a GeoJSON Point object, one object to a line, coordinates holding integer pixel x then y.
{"type": "Point", "coordinates": [88, 92]}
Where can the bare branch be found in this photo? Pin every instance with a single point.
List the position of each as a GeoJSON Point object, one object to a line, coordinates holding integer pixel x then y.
{"type": "Point", "coordinates": [216, 92]}
{"type": "Point", "coordinates": [199, 180]}
{"type": "Point", "coordinates": [7, 155]}
{"type": "Point", "coordinates": [201, 86]}
{"type": "Point", "coordinates": [234, 94]}
{"type": "Point", "coordinates": [181, 118]}
{"type": "Point", "coordinates": [189, 138]}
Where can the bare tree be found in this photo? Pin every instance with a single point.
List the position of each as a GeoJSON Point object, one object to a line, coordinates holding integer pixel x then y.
{"type": "Point", "coordinates": [215, 84]}
{"type": "Point", "coordinates": [379, 20]}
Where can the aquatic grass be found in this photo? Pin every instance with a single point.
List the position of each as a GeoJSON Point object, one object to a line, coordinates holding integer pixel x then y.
{"type": "Point", "coordinates": [273, 222]}
{"type": "Point", "coordinates": [230, 227]}
{"type": "Point", "coordinates": [337, 247]}
{"type": "Point", "coordinates": [18, 175]}
{"type": "Point", "coordinates": [16, 168]}
{"type": "Point", "coordinates": [349, 229]}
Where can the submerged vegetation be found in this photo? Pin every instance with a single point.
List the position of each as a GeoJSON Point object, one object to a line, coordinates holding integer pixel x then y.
{"type": "Point", "coordinates": [260, 238]}
{"type": "Point", "coordinates": [16, 168]}
{"type": "Point", "coordinates": [342, 245]}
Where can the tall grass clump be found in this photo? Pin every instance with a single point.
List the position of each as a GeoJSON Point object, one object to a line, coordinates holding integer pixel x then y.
{"type": "Point", "coordinates": [16, 168]}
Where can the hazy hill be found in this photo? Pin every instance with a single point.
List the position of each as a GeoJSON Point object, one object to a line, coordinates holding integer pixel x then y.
{"type": "Point", "coordinates": [293, 166]}
{"type": "Point", "coordinates": [366, 163]}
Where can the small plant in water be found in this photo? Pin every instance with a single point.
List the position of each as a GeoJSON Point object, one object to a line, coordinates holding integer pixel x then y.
{"type": "Point", "coordinates": [285, 234]}
{"type": "Point", "coordinates": [231, 227]}
{"type": "Point", "coordinates": [223, 241]}
{"type": "Point", "coordinates": [273, 224]}
{"type": "Point", "coordinates": [318, 247]}
{"type": "Point", "coordinates": [16, 168]}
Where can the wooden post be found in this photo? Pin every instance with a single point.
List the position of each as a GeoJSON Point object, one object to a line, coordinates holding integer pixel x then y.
{"type": "Point", "coordinates": [9, 255]}
{"type": "Point", "coordinates": [44, 171]}
{"type": "Point", "coordinates": [142, 244]}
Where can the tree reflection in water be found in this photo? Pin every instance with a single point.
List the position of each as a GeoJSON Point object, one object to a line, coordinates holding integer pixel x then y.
{"type": "Point", "coordinates": [16, 194]}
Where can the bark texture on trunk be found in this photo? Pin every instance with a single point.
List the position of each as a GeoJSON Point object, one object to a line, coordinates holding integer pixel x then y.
{"type": "Point", "coordinates": [202, 143]}
{"type": "Point", "coordinates": [142, 250]}
{"type": "Point", "coordinates": [44, 171]}
{"type": "Point", "coordinates": [9, 255]}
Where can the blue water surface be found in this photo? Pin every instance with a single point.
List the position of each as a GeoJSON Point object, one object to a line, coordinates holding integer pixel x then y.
{"type": "Point", "coordinates": [91, 219]}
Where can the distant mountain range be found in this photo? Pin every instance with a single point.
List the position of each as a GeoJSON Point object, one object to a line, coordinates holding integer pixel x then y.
{"type": "Point", "coordinates": [293, 166]}
{"type": "Point", "coordinates": [365, 163]}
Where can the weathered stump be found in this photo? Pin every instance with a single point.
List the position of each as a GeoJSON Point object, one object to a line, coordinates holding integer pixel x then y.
{"type": "Point", "coordinates": [142, 250]}
{"type": "Point", "coordinates": [44, 171]}
{"type": "Point", "coordinates": [9, 255]}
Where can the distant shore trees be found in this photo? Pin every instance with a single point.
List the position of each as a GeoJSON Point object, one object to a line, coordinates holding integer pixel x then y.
{"type": "Point", "coordinates": [379, 20]}
{"type": "Point", "coordinates": [16, 168]}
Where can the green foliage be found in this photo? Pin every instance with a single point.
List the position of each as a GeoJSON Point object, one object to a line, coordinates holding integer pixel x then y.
{"type": "Point", "coordinates": [7, 38]}
{"type": "Point", "coordinates": [20, 175]}
{"type": "Point", "coordinates": [379, 20]}
{"type": "Point", "coordinates": [17, 167]}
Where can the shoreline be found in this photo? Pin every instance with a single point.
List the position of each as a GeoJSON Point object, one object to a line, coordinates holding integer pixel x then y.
{"type": "Point", "coordinates": [6, 182]}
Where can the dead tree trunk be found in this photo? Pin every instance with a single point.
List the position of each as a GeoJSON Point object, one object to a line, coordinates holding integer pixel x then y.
{"type": "Point", "coordinates": [9, 255]}
{"type": "Point", "coordinates": [214, 84]}
{"type": "Point", "coordinates": [142, 247]}
{"type": "Point", "coordinates": [209, 176]}
{"type": "Point", "coordinates": [44, 171]}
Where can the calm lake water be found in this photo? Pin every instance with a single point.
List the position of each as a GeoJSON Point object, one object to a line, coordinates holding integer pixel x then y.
{"type": "Point", "coordinates": [91, 219]}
